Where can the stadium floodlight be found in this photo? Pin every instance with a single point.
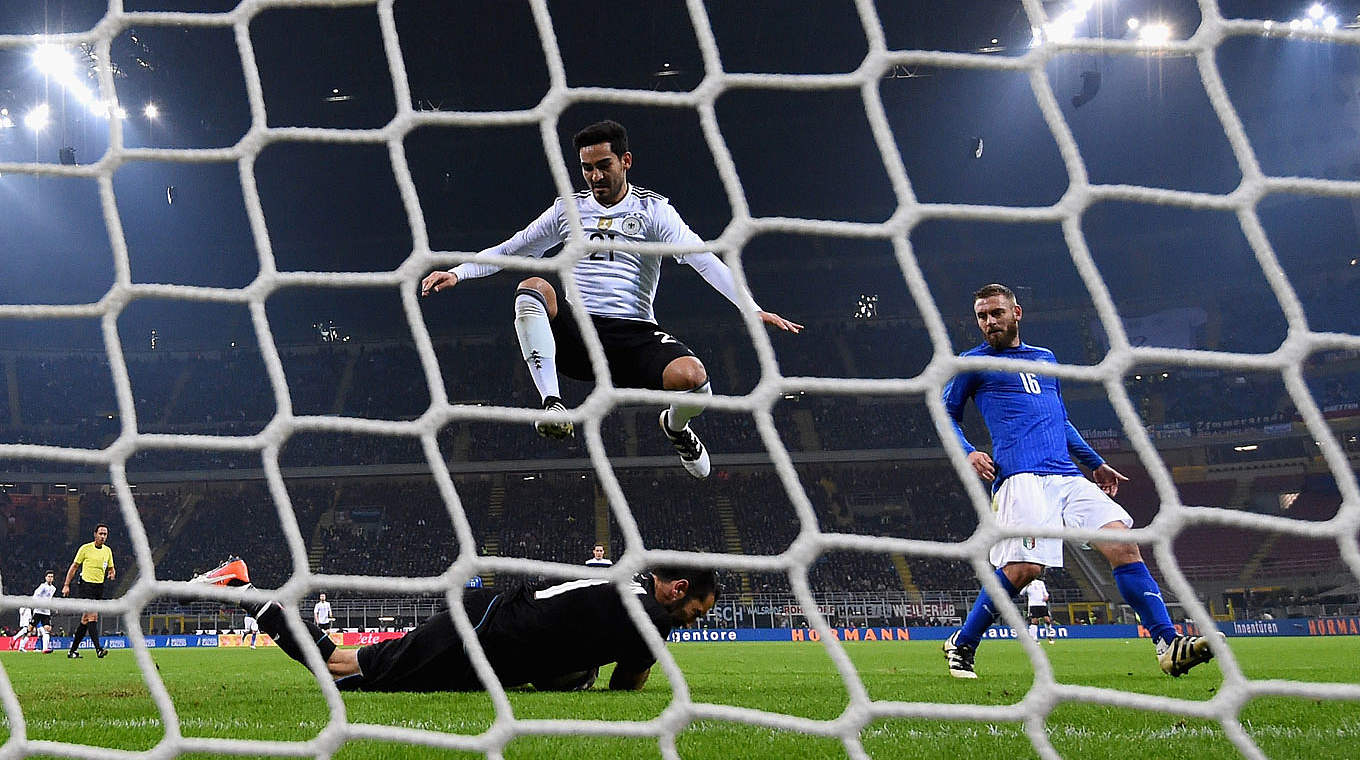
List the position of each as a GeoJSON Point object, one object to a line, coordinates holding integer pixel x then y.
{"type": "Point", "coordinates": [5, 121]}
{"type": "Point", "coordinates": [38, 117]}
{"type": "Point", "coordinates": [1316, 11]}
{"type": "Point", "coordinates": [1330, 23]}
{"type": "Point", "coordinates": [1133, 23]}
{"type": "Point", "coordinates": [151, 111]}
{"type": "Point", "coordinates": [1062, 29]}
{"type": "Point", "coordinates": [1155, 34]}
{"type": "Point", "coordinates": [54, 61]}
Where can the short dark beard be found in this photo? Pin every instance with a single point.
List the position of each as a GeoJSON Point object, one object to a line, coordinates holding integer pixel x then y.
{"type": "Point", "coordinates": [1003, 339]}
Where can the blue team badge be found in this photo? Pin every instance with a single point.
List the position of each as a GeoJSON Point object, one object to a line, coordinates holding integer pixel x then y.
{"type": "Point", "coordinates": [632, 225]}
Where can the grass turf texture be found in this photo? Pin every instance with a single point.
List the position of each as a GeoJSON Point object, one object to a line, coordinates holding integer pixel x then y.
{"type": "Point", "coordinates": [239, 693]}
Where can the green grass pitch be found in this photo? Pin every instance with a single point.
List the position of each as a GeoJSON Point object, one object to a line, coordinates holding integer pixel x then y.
{"type": "Point", "coordinates": [261, 694]}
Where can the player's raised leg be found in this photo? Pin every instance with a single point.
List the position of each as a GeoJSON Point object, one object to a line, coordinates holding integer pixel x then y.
{"type": "Point", "coordinates": [535, 308]}
{"type": "Point", "coordinates": [1176, 654]}
{"type": "Point", "coordinates": [686, 373]}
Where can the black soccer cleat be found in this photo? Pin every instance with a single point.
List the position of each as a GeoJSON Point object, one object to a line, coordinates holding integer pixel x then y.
{"type": "Point", "coordinates": [73, 655]}
{"type": "Point", "coordinates": [101, 653]}
{"type": "Point", "coordinates": [555, 429]}
{"type": "Point", "coordinates": [1184, 653]}
{"type": "Point", "coordinates": [959, 657]}
{"type": "Point", "coordinates": [692, 453]}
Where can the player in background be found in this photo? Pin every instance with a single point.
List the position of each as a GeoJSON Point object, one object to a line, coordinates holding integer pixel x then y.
{"type": "Point", "coordinates": [617, 290]}
{"type": "Point", "coordinates": [555, 638]}
{"type": "Point", "coordinates": [251, 627]}
{"type": "Point", "coordinates": [1036, 484]}
{"type": "Point", "coordinates": [1036, 598]}
{"type": "Point", "coordinates": [321, 614]}
{"type": "Point", "coordinates": [94, 562]}
{"type": "Point", "coordinates": [42, 616]}
{"type": "Point", "coordinates": [25, 630]}
{"type": "Point", "coordinates": [597, 558]}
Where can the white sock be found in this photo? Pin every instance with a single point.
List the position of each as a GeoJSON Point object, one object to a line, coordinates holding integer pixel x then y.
{"type": "Point", "coordinates": [680, 415]}
{"type": "Point", "coordinates": [536, 341]}
{"type": "Point", "coordinates": [44, 638]}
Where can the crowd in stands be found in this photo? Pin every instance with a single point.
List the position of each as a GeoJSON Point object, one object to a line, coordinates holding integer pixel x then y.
{"type": "Point", "coordinates": [67, 400]}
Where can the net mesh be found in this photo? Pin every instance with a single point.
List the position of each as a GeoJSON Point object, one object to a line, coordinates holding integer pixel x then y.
{"type": "Point", "coordinates": [1046, 692]}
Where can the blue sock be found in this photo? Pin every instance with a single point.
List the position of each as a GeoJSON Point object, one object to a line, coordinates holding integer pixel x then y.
{"type": "Point", "coordinates": [1145, 597]}
{"type": "Point", "coordinates": [982, 615]}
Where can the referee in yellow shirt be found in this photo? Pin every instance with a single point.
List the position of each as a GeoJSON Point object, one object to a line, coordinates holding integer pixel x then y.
{"type": "Point", "coordinates": [94, 561]}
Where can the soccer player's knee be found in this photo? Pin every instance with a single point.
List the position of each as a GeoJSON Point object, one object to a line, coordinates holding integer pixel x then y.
{"type": "Point", "coordinates": [536, 293]}
{"type": "Point", "coordinates": [1120, 554]}
{"type": "Point", "coordinates": [684, 374]}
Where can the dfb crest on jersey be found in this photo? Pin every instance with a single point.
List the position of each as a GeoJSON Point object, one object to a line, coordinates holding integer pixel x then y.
{"type": "Point", "coordinates": [1029, 542]}
{"type": "Point", "coordinates": [605, 222]}
{"type": "Point", "coordinates": [632, 225]}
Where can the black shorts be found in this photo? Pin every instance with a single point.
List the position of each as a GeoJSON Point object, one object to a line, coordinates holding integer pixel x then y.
{"type": "Point", "coordinates": [1038, 612]}
{"type": "Point", "coordinates": [44, 619]}
{"type": "Point", "coordinates": [429, 658]}
{"type": "Point", "coordinates": [86, 590]}
{"type": "Point", "coordinates": [637, 351]}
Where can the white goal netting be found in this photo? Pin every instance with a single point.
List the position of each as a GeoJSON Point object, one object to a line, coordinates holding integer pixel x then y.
{"type": "Point", "coordinates": [1046, 692]}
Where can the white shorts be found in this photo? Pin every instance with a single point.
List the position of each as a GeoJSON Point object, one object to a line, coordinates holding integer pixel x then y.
{"type": "Point", "coordinates": [251, 625]}
{"type": "Point", "coordinates": [1049, 502]}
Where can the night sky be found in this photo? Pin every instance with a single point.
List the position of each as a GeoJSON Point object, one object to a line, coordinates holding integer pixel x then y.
{"type": "Point", "coordinates": [336, 207]}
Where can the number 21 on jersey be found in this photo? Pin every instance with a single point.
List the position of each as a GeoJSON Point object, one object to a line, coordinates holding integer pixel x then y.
{"type": "Point", "coordinates": [1031, 382]}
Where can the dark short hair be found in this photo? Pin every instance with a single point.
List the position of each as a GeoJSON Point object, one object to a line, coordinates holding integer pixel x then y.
{"type": "Point", "coordinates": [599, 545]}
{"type": "Point", "coordinates": [105, 526]}
{"type": "Point", "coordinates": [994, 289]}
{"type": "Point", "coordinates": [606, 131]}
{"type": "Point", "coordinates": [702, 581]}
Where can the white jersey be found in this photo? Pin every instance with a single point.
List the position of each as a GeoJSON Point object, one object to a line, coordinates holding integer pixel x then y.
{"type": "Point", "coordinates": [25, 617]}
{"type": "Point", "coordinates": [599, 562]}
{"type": "Point", "coordinates": [321, 613]}
{"type": "Point", "coordinates": [613, 283]}
{"type": "Point", "coordinates": [1037, 593]}
{"type": "Point", "coordinates": [44, 591]}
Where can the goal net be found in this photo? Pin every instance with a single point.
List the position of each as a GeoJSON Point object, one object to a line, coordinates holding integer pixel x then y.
{"type": "Point", "coordinates": [813, 539]}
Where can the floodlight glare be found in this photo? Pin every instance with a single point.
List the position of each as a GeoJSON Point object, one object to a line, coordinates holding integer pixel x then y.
{"type": "Point", "coordinates": [120, 112]}
{"type": "Point", "coordinates": [1316, 11]}
{"type": "Point", "coordinates": [151, 111]}
{"type": "Point", "coordinates": [1155, 34]}
{"type": "Point", "coordinates": [53, 60]}
{"type": "Point", "coordinates": [1062, 29]}
{"type": "Point", "coordinates": [1133, 23]}
{"type": "Point", "coordinates": [38, 118]}
{"type": "Point", "coordinates": [1329, 23]}
{"type": "Point", "coordinates": [1083, 6]}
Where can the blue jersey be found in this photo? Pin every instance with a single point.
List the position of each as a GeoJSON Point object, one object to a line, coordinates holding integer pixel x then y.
{"type": "Point", "coordinates": [1025, 414]}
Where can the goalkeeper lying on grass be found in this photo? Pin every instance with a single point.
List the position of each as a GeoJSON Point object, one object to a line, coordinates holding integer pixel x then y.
{"type": "Point", "coordinates": [555, 638]}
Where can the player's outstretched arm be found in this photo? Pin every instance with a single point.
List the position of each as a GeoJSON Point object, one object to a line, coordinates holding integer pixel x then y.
{"type": "Point", "coordinates": [437, 281]}
{"type": "Point", "coordinates": [1108, 478]}
{"type": "Point", "coordinates": [625, 679]}
{"type": "Point", "coordinates": [774, 320]}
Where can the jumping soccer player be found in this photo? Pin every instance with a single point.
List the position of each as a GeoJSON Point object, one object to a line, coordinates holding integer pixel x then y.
{"type": "Point", "coordinates": [94, 561]}
{"type": "Point", "coordinates": [1036, 598]}
{"type": "Point", "coordinates": [617, 290]}
{"type": "Point", "coordinates": [1036, 484]}
{"type": "Point", "coordinates": [555, 638]}
{"type": "Point", "coordinates": [597, 558]}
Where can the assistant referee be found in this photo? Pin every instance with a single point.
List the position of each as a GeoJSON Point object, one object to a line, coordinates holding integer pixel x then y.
{"type": "Point", "coordinates": [94, 561]}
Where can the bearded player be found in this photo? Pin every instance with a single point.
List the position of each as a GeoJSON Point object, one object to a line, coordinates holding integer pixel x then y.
{"type": "Point", "coordinates": [617, 290]}
{"type": "Point", "coordinates": [1036, 484]}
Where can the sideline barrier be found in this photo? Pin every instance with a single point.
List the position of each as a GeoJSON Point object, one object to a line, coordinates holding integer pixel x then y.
{"type": "Point", "coordinates": [1342, 626]}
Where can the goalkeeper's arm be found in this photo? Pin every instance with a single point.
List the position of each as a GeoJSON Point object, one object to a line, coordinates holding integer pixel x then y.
{"type": "Point", "coordinates": [626, 678]}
